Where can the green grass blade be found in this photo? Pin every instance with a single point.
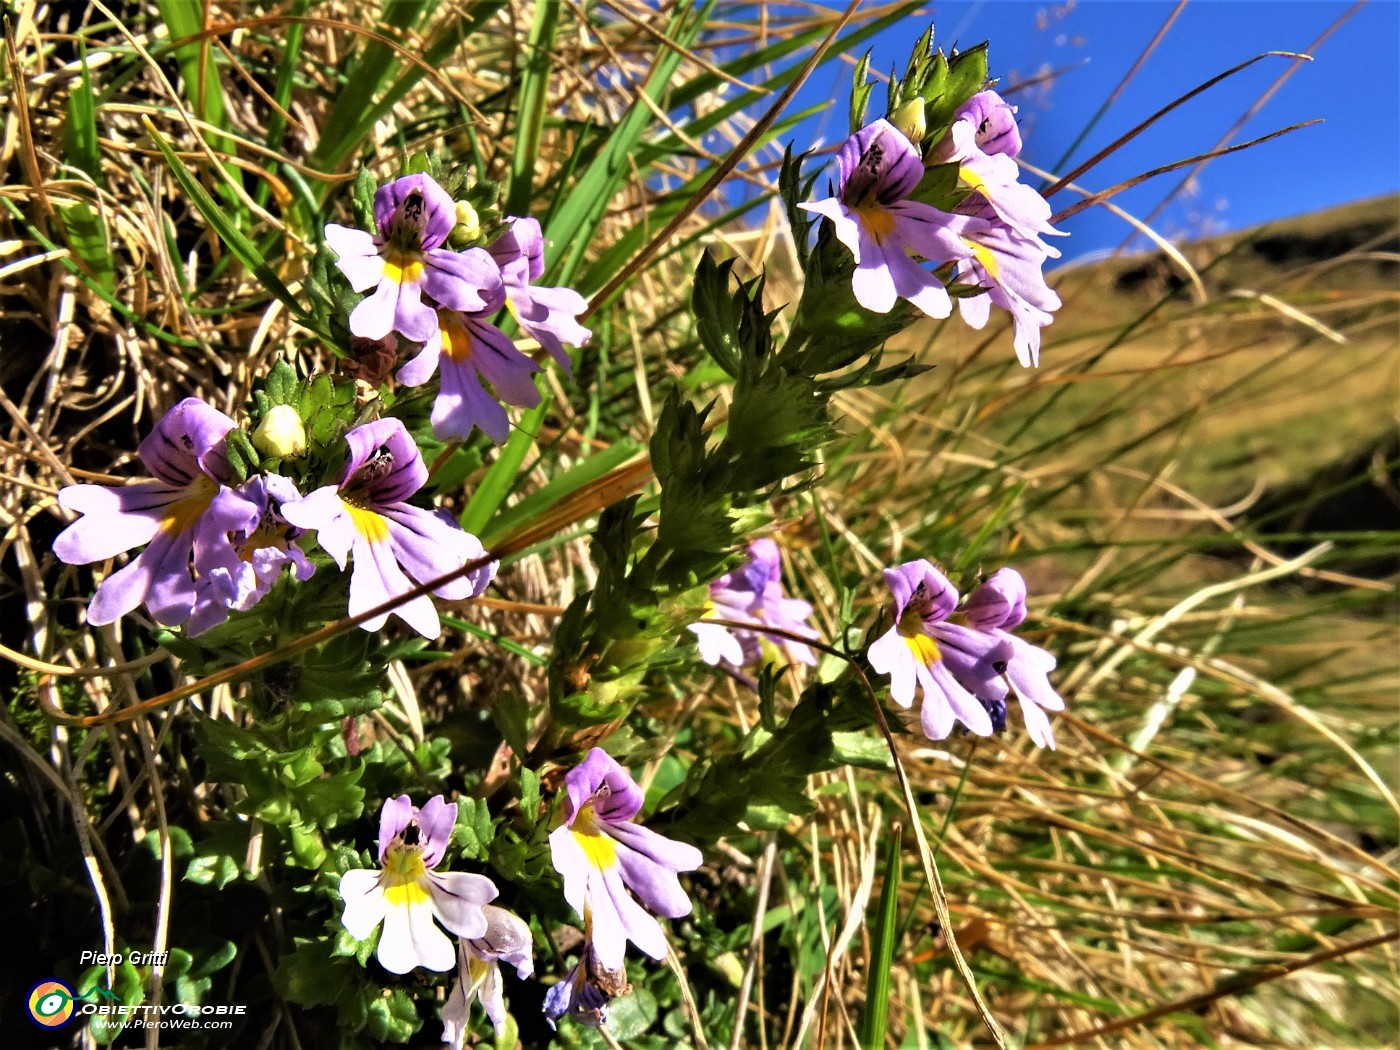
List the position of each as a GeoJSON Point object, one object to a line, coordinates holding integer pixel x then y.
{"type": "Point", "coordinates": [877, 989]}
{"type": "Point", "coordinates": [352, 117]}
{"type": "Point", "coordinates": [534, 96]}
{"type": "Point", "coordinates": [228, 230]}
{"type": "Point", "coordinates": [185, 18]}
{"type": "Point", "coordinates": [501, 476]}
{"type": "Point", "coordinates": [559, 487]}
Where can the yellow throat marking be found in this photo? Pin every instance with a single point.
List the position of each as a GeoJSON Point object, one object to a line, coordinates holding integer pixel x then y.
{"type": "Point", "coordinates": [367, 523]}
{"type": "Point", "coordinates": [405, 878]}
{"type": "Point", "coordinates": [181, 515]}
{"type": "Point", "coordinates": [401, 266]}
{"type": "Point", "coordinates": [596, 846]}
{"type": "Point", "coordinates": [878, 222]}
{"type": "Point", "coordinates": [924, 648]}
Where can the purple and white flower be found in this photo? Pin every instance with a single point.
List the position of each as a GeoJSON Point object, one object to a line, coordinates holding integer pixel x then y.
{"type": "Point", "coordinates": [602, 853]}
{"type": "Point", "coordinates": [507, 939]}
{"type": "Point", "coordinates": [965, 662]}
{"type": "Point", "coordinates": [395, 545]}
{"type": "Point", "coordinates": [753, 593]}
{"type": "Point", "coordinates": [406, 895]}
{"type": "Point", "coordinates": [994, 609]}
{"type": "Point", "coordinates": [949, 663]}
{"type": "Point", "coordinates": [547, 315]}
{"type": "Point", "coordinates": [467, 348]}
{"type": "Point", "coordinates": [406, 258]}
{"type": "Point", "coordinates": [244, 571]}
{"type": "Point", "coordinates": [184, 514]}
{"type": "Point", "coordinates": [879, 169]}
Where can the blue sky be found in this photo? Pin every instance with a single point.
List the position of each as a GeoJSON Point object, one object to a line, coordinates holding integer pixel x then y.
{"type": "Point", "coordinates": [1353, 85]}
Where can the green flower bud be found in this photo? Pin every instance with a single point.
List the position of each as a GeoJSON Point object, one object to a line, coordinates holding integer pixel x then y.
{"type": "Point", "coordinates": [281, 433]}
{"type": "Point", "coordinates": [909, 118]}
{"type": "Point", "coordinates": [468, 226]}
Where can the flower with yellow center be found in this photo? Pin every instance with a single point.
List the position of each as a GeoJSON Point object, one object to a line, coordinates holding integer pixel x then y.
{"type": "Point", "coordinates": [605, 858]}
{"type": "Point", "coordinates": [408, 897]}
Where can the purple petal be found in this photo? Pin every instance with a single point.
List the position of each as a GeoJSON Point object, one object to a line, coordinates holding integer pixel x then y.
{"type": "Point", "coordinates": [940, 596]}
{"type": "Point", "coordinates": [383, 461]}
{"type": "Point", "coordinates": [427, 547]}
{"type": "Point", "coordinates": [878, 162]}
{"type": "Point", "coordinates": [599, 780]}
{"type": "Point", "coordinates": [396, 814]}
{"type": "Point", "coordinates": [507, 939]}
{"type": "Point", "coordinates": [522, 242]}
{"type": "Point", "coordinates": [114, 519]}
{"type": "Point", "coordinates": [999, 602]}
{"type": "Point", "coordinates": [872, 282]}
{"type": "Point", "coordinates": [414, 212]}
{"type": "Point", "coordinates": [509, 372]}
{"type": "Point", "coordinates": [185, 435]}
{"type": "Point", "coordinates": [436, 820]}
{"type": "Point", "coordinates": [550, 317]}
{"type": "Point", "coordinates": [418, 369]}
{"type": "Point", "coordinates": [717, 645]}
{"type": "Point", "coordinates": [912, 282]}
{"type": "Point", "coordinates": [649, 865]}
{"type": "Point", "coordinates": [463, 404]}
{"type": "Point", "coordinates": [993, 123]}
{"type": "Point", "coordinates": [847, 230]}
{"type": "Point", "coordinates": [324, 511]}
{"type": "Point", "coordinates": [357, 256]}
{"type": "Point", "coordinates": [468, 281]}
{"type": "Point", "coordinates": [964, 705]}
{"type": "Point", "coordinates": [890, 655]}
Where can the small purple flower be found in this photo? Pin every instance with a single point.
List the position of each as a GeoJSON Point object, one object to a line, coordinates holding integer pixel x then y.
{"type": "Point", "coordinates": [246, 570]}
{"type": "Point", "coordinates": [585, 993]}
{"type": "Point", "coordinates": [602, 854]}
{"type": "Point", "coordinates": [394, 543]}
{"type": "Point", "coordinates": [414, 216]}
{"type": "Point", "coordinates": [184, 515]}
{"type": "Point", "coordinates": [507, 939]}
{"type": "Point", "coordinates": [406, 895]}
{"type": "Point", "coordinates": [950, 663]}
{"type": "Point", "coordinates": [879, 169]}
{"type": "Point", "coordinates": [753, 593]}
{"type": "Point", "coordinates": [547, 315]}
{"type": "Point", "coordinates": [994, 609]}
{"type": "Point", "coordinates": [469, 348]}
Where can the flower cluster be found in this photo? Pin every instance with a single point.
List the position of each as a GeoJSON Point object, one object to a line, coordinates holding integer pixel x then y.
{"type": "Point", "coordinates": [993, 237]}
{"type": "Point", "coordinates": [965, 661]}
{"type": "Point", "coordinates": [753, 593]}
{"type": "Point", "coordinates": [598, 850]}
{"type": "Point", "coordinates": [445, 300]}
{"type": "Point", "coordinates": [214, 546]}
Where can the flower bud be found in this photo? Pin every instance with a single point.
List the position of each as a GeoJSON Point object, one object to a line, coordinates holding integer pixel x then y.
{"type": "Point", "coordinates": [468, 226]}
{"type": "Point", "coordinates": [281, 433]}
{"type": "Point", "coordinates": [909, 118]}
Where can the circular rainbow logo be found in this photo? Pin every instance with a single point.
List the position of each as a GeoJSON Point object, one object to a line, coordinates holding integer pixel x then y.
{"type": "Point", "coordinates": [50, 1003]}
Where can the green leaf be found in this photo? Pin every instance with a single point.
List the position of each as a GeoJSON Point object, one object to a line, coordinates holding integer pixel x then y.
{"type": "Point", "coordinates": [392, 1018]}
{"type": "Point", "coordinates": [564, 484]}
